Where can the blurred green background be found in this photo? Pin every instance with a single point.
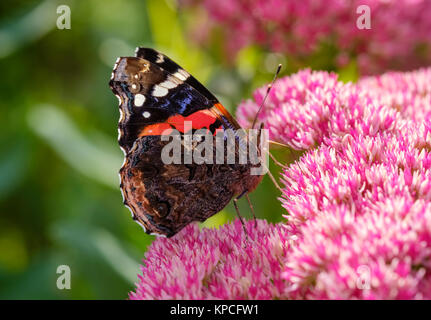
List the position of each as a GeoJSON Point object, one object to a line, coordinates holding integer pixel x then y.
{"type": "Point", "coordinates": [59, 197]}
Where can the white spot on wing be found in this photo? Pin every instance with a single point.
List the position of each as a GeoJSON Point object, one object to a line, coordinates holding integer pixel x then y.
{"type": "Point", "coordinates": [121, 115]}
{"type": "Point", "coordinates": [181, 74]}
{"type": "Point", "coordinates": [160, 58]}
{"type": "Point", "coordinates": [116, 63]}
{"type": "Point", "coordinates": [119, 136]}
{"type": "Point", "coordinates": [139, 100]}
{"type": "Point", "coordinates": [168, 84]}
{"type": "Point", "coordinates": [159, 91]}
{"type": "Point", "coordinates": [146, 114]}
{"type": "Point", "coordinates": [158, 235]}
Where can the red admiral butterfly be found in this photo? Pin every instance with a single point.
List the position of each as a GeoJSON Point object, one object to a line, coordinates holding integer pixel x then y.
{"type": "Point", "coordinates": [156, 94]}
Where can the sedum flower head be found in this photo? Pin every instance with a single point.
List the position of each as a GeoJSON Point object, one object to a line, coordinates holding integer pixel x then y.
{"type": "Point", "coordinates": [216, 264]}
{"type": "Point", "coordinates": [362, 203]}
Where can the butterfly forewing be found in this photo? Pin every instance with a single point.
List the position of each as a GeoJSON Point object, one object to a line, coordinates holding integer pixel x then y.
{"type": "Point", "coordinates": [149, 95]}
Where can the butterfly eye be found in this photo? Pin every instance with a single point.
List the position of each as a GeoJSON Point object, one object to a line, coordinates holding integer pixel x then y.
{"type": "Point", "coordinates": [163, 209]}
{"type": "Point", "coordinates": [145, 67]}
{"type": "Point", "coordinates": [135, 87]}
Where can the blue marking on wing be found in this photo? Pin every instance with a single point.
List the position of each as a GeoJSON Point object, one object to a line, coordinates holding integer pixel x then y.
{"type": "Point", "coordinates": [181, 99]}
{"type": "Point", "coordinates": [130, 96]}
{"type": "Point", "coordinates": [184, 103]}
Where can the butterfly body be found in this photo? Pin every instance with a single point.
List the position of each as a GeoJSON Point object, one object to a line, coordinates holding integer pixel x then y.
{"type": "Point", "coordinates": [157, 96]}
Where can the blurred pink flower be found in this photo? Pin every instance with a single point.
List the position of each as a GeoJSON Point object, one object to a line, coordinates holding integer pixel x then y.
{"type": "Point", "coordinates": [216, 264]}
{"type": "Point", "coordinates": [399, 38]}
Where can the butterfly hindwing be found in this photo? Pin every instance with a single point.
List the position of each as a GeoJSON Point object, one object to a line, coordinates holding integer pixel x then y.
{"type": "Point", "coordinates": [164, 198]}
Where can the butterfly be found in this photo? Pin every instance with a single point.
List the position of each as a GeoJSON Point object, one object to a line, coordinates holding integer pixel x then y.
{"type": "Point", "coordinates": [155, 94]}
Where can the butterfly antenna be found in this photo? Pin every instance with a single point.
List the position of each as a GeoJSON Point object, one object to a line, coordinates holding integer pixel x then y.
{"type": "Point", "coordinates": [266, 95]}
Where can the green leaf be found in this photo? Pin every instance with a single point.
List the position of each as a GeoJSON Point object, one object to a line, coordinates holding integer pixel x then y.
{"type": "Point", "coordinates": [92, 160]}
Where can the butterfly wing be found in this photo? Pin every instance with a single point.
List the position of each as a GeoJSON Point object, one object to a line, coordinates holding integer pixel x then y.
{"type": "Point", "coordinates": [170, 66]}
{"type": "Point", "coordinates": [164, 198]}
{"type": "Point", "coordinates": [155, 95]}
{"type": "Point", "coordinates": [149, 95]}
{"type": "Point", "coordinates": [174, 69]}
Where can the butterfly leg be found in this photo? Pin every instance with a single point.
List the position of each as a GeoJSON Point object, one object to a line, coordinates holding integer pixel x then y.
{"type": "Point", "coordinates": [278, 163]}
{"type": "Point", "coordinates": [240, 217]}
{"type": "Point", "coordinates": [263, 163]}
{"type": "Point", "coordinates": [292, 155]}
{"type": "Point", "coordinates": [252, 209]}
{"type": "Point", "coordinates": [284, 146]}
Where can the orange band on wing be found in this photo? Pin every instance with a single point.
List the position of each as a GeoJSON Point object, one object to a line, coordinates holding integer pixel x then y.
{"type": "Point", "coordinates": [199, 120]}
{"type": "Point", "coordinates": [156, 129]}
{"type": "Point", "coordinates": [220, 110]}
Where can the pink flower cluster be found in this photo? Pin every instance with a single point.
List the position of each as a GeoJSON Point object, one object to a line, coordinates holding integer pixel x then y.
{"type": "Point", "coordinates": [358, 202]}
{"type": "Point", "coordinates": [216, 264]}
{"type": "Point", "coordinates": [308, 107]}
{"type": "Point", "coordinates": [399, 38]}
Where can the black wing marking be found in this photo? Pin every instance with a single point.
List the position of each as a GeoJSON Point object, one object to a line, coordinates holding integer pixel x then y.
{"type": "Point", "coordinates": [173, 68]}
